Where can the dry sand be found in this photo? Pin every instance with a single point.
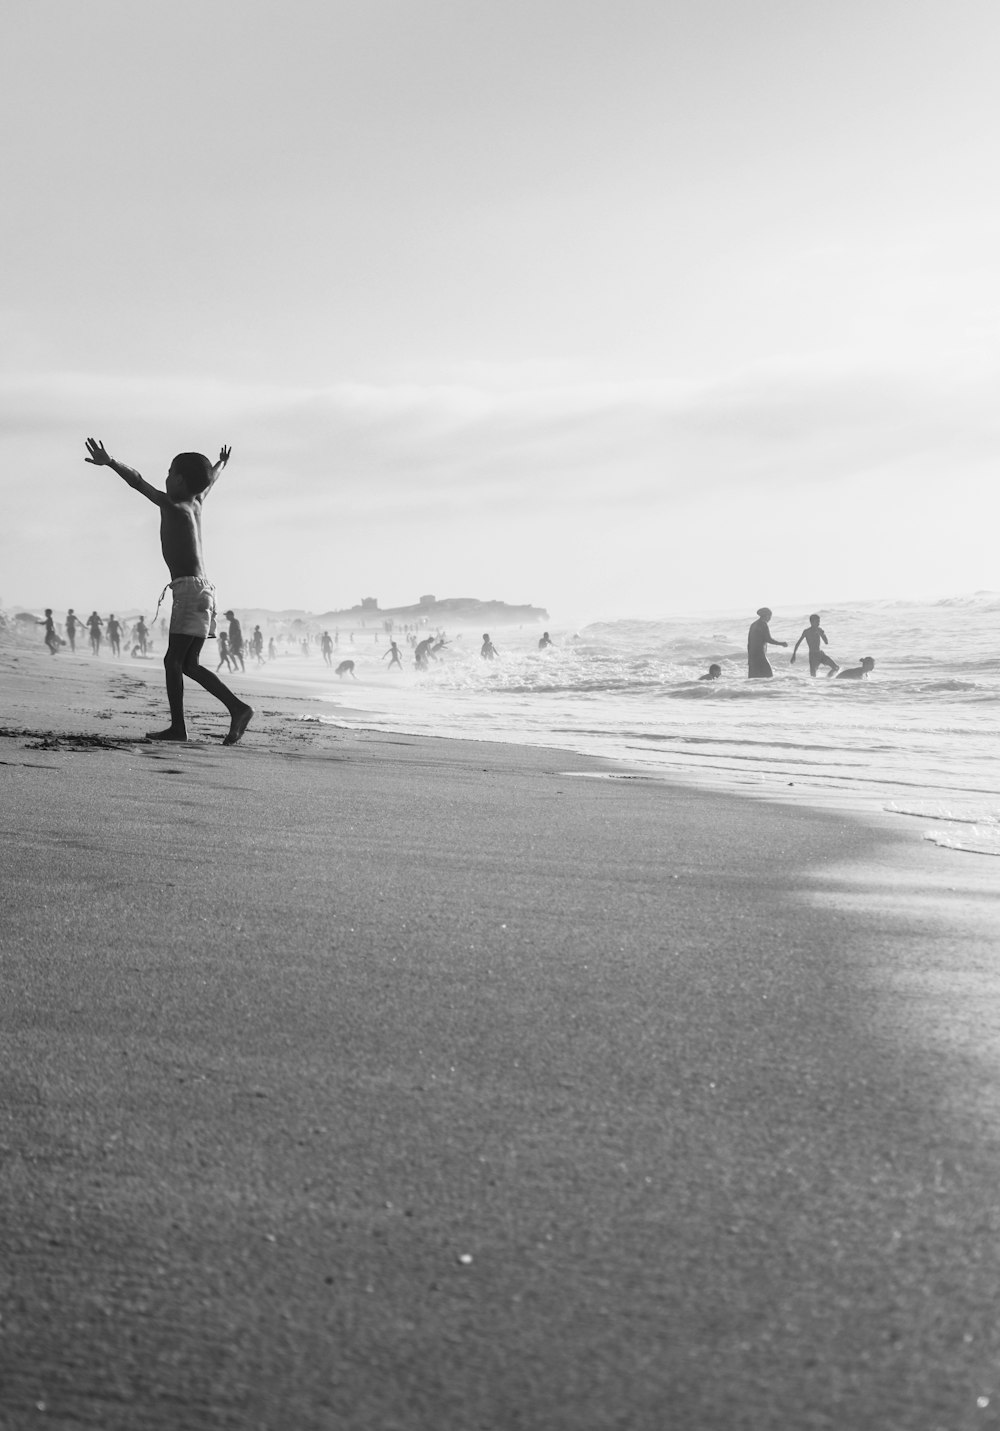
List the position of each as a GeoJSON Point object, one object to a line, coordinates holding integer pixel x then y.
{"type": "Point", "coordinates": [358, 1081]}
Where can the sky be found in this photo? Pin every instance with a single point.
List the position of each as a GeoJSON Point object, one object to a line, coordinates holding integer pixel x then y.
{"type": "Point", "coordinates": [616, 308]}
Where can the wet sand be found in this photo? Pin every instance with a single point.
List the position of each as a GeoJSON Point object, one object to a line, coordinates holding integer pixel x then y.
{"type": "Point", "coordinates": [368, 1081]}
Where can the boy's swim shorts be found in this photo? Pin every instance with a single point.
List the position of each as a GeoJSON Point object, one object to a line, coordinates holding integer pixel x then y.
{"type": "Point", "coordinates": [193, 612]}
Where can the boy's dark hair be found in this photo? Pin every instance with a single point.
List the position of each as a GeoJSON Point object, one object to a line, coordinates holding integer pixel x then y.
{"type": "Point", "coordinates": [194, 469]}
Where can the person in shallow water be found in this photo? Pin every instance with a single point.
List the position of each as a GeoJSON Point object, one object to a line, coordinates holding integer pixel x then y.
{"type": "Point", "coordinates": [858, 673]}
{"type": "Point", "coordinates": [758, 639]}
{"type": "Point", "coordinates": [712, 674]}
{"type": "Point", "coordinates": [813, 635]}
{"type": "Point", "coordinates": [488, 651]}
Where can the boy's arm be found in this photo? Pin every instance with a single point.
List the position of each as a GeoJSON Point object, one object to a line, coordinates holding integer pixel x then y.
{"type": "Point", "coordinates": [100, 458]}
{"type": "Point", "coordinates": [224, 455]}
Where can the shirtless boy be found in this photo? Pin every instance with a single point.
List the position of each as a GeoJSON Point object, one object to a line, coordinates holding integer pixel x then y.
{"type": "Point", "coordinates": [812, 636]}
{"type": "Point", "coordinates": [192, 620]}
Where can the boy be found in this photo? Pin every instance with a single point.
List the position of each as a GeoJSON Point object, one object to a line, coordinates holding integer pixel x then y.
{"type": "Point", "coordinates": [812, 636]}
{"type": "Point", "coordinates": [189, 480]}
{"type": "Point", "coordinates": [51, 637]}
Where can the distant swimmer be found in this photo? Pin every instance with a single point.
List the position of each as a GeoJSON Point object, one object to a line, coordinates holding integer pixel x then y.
{"type": "Point", "coordinates": [393, 656]}
{"type": "Point", "coordinates": [192, 619]}
{"type": "Point", "coordinates": [812, 636]}
{"type": "Point", "coordinates": [712, 674]}
{"type": "Point", "coordinates": [488, 651]}
{"type": "Point", "coordinates": [858, 673]}
{"type": "Point", "coordinates": [346, 668]}
{"type": "Point", "coordinates": [758, 639]}
{"type": "Point", "coordinates": [544, 640]}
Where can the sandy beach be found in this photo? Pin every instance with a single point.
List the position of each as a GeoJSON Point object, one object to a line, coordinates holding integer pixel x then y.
{"type": "Point", "coordinates": [367, 1081]}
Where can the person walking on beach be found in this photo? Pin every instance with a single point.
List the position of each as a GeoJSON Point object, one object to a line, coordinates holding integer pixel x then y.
{"type": "Point", "coordinates": [224, 657]}
{"type": "Point", "coordinates": [95, 626]}
{"type": "Point", "coordinates": [393, 654]}
{"type": "Point", "coordinates": [257, 645]}
{"type": "Point", "coordinates": [51, 638]}
{"type": "Point", "coordinates": [326, 646]}
{"type": "Point", "coordinates": [758, 639]}
{"type": "Point", "coordinates": [488, 652]}
{"type": "Point", "coordinates": [812, 636]}
{"type": "Point", "coordinates": [72, 622]}
{"type": "Point", "coordinates": [141, 635]}
{"type": "Point", "coordinates": [235, 640]}
{"type": "Point", "coordinates": [858, 673]}
{"type": "Point", "coordinates": [192, 620]}
{"type": "Point", "coordinates": [114, 634]}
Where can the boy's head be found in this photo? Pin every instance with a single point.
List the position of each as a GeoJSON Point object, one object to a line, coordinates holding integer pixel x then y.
{"type": "Point", "coordinates": [715, 671]}
{"type": "Point", "coordinates": [814, 619]}
{"type": "Point", "coordinates": [867, 663]}
{"type": "Point", "coordinates": [193, 470]}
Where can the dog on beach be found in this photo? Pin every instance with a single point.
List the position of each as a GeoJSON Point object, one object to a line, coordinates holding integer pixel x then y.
{"type": "Point", "coordinates": [346, 668]}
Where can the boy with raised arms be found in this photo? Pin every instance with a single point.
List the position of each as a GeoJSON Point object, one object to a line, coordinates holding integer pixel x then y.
{"type": "Point", "coordinates": [192, 620]}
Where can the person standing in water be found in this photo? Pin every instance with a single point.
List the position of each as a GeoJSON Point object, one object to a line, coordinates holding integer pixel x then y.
{"type": "Point", "coordinates": [812, 636]}
{"type": "Point", "coordinates": [192, 621]}
{"type": "Point", "coordinates": [544, 640]}
{"type": "Point", "coordinates": [393, 655]}
{"type": "Point", "coordinates": [488, 651]}
{"type": "Point", "coordinates": [758, 639]}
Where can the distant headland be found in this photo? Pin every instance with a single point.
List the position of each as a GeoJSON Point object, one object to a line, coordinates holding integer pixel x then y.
{"type": "Point", "coordinates": [428, 611]}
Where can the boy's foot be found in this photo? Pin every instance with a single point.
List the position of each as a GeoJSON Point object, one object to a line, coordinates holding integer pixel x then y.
{"type": "Point", "coordinates": [240, 721]}
{"type": "Point", "coordinates": [170, 734]}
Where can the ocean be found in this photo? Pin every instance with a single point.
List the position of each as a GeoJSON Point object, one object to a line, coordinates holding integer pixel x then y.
{"type": "Point", "coordinates": [918, 739]}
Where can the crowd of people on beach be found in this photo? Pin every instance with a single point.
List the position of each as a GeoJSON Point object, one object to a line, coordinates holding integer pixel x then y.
{"type": "Point", "coordinates": [136, 637]}
{"type": "Point", "coordinates": [190, 478]}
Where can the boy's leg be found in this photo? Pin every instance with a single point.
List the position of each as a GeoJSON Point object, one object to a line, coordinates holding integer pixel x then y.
{"type": "Point", "coordinates": [239, 711]}
{"type": "Point", "coordinates": [178, 649]}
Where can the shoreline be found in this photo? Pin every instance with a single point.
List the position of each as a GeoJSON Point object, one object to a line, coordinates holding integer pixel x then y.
{"type": "Point", "coordinates": [359, 1079]}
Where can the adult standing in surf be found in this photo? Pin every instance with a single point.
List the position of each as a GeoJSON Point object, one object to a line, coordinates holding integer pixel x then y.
{"type": "Point", "coordinates": [758, 639]}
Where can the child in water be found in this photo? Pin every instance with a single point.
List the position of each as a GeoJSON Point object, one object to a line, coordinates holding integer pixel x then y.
{"type": "Point", "coordinates": [192, 621]}
{"type": "Point", "coordinates": [858, 673]}
{"type": "Point", "coordinates": [812, 636]}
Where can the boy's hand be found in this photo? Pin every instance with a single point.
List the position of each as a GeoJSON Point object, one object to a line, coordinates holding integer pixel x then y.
{"type": "Point", "coordinates": [224, 456]}
{"type": "Point", "coordinates": [98, 456]}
